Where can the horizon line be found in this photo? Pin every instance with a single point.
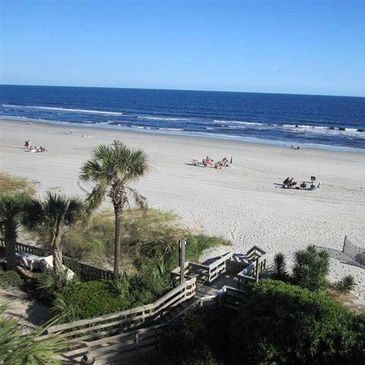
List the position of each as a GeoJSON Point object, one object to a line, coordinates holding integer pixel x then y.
{"type": "Point", "coordinates": [196, 90]}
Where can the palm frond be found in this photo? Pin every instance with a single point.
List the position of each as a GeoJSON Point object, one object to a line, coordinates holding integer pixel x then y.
{"type": "Point", "coordinates": [95, 198]}
{"type": "Point", "coordinates": [140, 200]}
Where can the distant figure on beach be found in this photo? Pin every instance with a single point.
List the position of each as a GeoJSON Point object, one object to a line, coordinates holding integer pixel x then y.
{"type": "Point", "coordinates": [207, 161]}
{"type": "Point", "coordinates": [303, 185]}
{"type": "Point", "coordinates": [28, 144]}
{"type": "Point", "coordinates": [286, 182]}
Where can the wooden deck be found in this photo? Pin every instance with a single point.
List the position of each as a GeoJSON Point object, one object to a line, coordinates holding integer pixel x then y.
{"type": "Point", "coordinates": [112, 338]}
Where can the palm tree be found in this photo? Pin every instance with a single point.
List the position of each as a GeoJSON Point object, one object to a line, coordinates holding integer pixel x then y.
{"type": "Point", "coordinates": [12, 207]}
{"type": "Point", "coordinates": [112, 168]}
{"type": "Point", "coordinates": [19, 349]}
{"type": "Point", "coordinates": [55, 215]}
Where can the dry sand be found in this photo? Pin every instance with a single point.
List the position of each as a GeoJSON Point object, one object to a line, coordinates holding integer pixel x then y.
{"type": "Point", "coordinates": [240, 203]}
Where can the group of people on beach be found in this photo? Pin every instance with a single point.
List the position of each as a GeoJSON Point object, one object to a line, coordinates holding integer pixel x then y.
{"type": "Point", "coordinates": [207, 161]}
{"type": "Point", "coordinates": [290, 183]}
{"type": "Point", "coordinates": [28, 146]}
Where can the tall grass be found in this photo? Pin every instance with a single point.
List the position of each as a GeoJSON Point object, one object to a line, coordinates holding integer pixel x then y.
{"type": "Point", "coordinates": [13, 184]}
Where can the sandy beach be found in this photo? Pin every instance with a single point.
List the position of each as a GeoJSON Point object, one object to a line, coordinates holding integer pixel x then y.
{"type": "Point", "coordinates": [241, 203]}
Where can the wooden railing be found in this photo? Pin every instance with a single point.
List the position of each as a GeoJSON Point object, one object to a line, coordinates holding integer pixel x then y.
{"type": "Point", "coordinates": [90, 329]}
{"type": "Point", "coordinates": [204, 273]}
{"type": "Point", "coordinates": [116, 347]}
{"type": "Point", "coordinates": [109, 349]}
{"type": "Point", "coordinates": [85, 271]}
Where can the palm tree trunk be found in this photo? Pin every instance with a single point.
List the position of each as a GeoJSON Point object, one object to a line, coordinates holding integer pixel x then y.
{"type": "Point", "coordinates": [118, 219]}
{"type": "Point", "coordinates": [10, 236]}
{"type": "Point", "coordinates": [57, 256]}
{"type": "Point", "coordinates": [56, 245]}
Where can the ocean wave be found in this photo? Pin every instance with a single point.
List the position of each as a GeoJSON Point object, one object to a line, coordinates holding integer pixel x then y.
{"type": "Point", "coordinates": [303, 128]}
{"type": "Point", "coordinates": [217, 121]}
{"type": "Point", "coordinates": [67, 110]}
{"type": "Point", "coordinates": [171, 119]}
{"type": "Point", "coordinates": [171, 129]}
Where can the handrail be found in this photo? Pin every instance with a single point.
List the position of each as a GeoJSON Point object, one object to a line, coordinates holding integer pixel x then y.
{"type": "Point", "coordinates": [212, 270]}
{"type": "Point", "coordinates": [86, 271]}
{"type": "Point", "coordinates": [173, 297]}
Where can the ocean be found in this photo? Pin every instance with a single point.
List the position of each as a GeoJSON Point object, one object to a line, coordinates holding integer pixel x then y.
{"type": "Point", "coordinates": [305, 120]}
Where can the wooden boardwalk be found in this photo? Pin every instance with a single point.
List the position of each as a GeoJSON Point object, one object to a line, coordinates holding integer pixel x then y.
{"type": "Point", "coordinates": [113, 337]}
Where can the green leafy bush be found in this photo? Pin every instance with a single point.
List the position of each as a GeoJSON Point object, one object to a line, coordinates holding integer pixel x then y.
{"type": "Point", "coordinates": [311, 268]}
{"type": "Point", "coordinates": [95, 298]}
{"type": "Point", "coordinates": [10, 279]}
{"type": "Point", "coordinates": [86, 300]}
{"type": "Point", "coordinates": [346, 284]}
{"type": "Point", "coordinates": [51, 283]}
{"type": "Point", "coordinates": [280, 272]}
{"type": "Point", "coordinates": [313, 328]}
{"type": "Point", "coordinates": [277, 323]}
{"type": "Point", "coordinates": [201, 335]}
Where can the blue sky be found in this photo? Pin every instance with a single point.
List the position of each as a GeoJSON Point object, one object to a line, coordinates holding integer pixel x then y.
{"type": "Point", "coordinates": [315, 47]}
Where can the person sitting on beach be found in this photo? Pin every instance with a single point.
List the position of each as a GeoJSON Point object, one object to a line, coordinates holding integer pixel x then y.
{"type": "Point", "coordinates": [208, 160]}
{"type": "Point", "coordinates": [42, 149]}
{"type": "Point", "coordinates": [303, 185]}
{"type": "Point", "coordinates": [218, 165]}
{"type": "Point", "coordinates": [225, 162]}
{"type": "Point", "coordinates": [292, 183]}
{"type": "Point", "coordinates": [286, 182]}
{"type": "Point", "coordinates": [28, 144]}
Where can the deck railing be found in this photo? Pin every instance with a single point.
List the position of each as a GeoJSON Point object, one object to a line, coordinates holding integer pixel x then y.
{"type": "Point", "coordinates": [89, 329]}
{"type": "Point", "coordinates": [85, 271]}
{"type": "Point", "coordinates": [204, 273]}
{"type": "Point", "coordinates": [109, 349]}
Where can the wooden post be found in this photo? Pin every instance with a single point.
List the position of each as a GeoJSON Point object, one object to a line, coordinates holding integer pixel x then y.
{"type": "Point", "coordinates": [182, 244]}
{"type": "Point", "coordinates": [257, 273]}
{"type": "Point", "coordinates": [344, 244]}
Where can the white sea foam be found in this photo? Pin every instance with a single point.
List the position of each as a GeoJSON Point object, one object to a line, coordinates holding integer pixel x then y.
{"type": "Point", "coordinates": [302, 128]}
{"type": "Point", "coordinates": [68, 110]}
{"type": "Point", "coordinates": [171, 129]}
{"type": "Point", "coordinates": [161, 118]}
{"type": "Point", "coordinates": [217, 121]}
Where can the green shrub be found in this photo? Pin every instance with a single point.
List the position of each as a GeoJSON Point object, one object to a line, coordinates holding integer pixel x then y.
{"type": "Point", "coordinates": [94, 298]}
{"type": "Point", "coordinates": [280, 272]}
{"type": "Point", "coordinates": [200, 335]}
{"type": "Point", "coordinates": [10, 279]}
{"type": "Point", "coordinates": [282, 323]}
{"type": "Point", "coordinates": [277, 323]}
{"type": "Point", "coordinates": [86, 300]}
{"type": "Point", "coordinates": [346, 284]}
{"type": "Point", "coordinates": [311, 268]}
{"type": "Point", "coordinates": [51, 283]}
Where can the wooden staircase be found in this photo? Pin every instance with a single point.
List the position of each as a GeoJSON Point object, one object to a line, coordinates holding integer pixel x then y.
{"type": "Point", "coordinates": [112, 338]}
{"type": "Point", "coordinates": [111, 349]}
